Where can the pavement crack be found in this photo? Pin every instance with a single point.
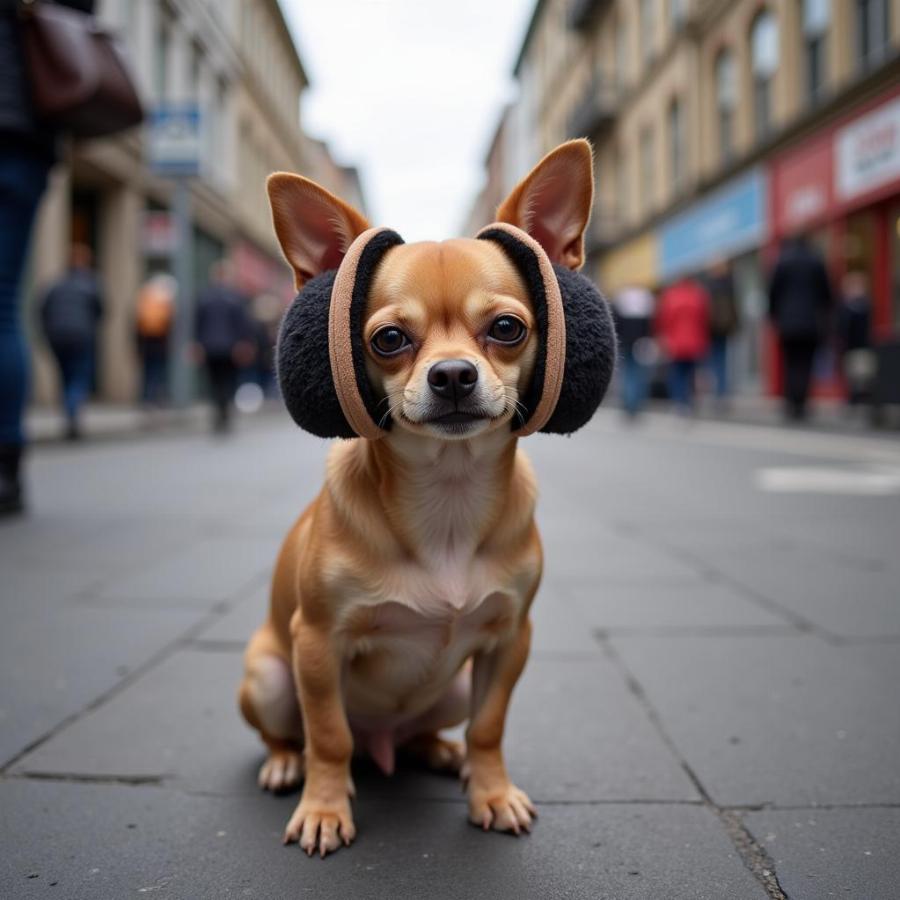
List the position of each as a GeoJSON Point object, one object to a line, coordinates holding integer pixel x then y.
{"type": "Point", "coordinates": [753, 856]}
{"type": "Point", "coordinates": [80, 778]}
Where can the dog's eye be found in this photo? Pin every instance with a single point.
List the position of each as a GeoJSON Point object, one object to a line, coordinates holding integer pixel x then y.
{"type": "Point", "coordinates": [389, 341]}
{"type": "Point", "coordinates": [507, 330]}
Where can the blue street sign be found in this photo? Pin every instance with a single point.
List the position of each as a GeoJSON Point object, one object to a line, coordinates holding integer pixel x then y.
{"type": "Point", "coordinates": [175, 139]}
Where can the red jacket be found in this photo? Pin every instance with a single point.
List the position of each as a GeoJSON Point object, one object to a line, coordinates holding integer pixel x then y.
{"type": "Point", "coordinates": [682, 320]}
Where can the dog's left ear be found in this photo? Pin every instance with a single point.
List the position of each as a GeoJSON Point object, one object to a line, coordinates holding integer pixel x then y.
{"type": "Point", "coordinates": [553, 202]}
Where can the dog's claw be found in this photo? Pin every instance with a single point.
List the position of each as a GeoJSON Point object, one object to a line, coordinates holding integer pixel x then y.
{"type": "Point", "coordinates": [320, 829]}
{"type": "Point", "coordinates": [507, 809]}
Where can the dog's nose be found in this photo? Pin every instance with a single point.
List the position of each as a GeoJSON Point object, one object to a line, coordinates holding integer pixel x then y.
{"type": "Point", "coordinates": [452, 379]}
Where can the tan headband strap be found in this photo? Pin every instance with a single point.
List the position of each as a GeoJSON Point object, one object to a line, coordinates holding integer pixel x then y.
{"type": "Point", "coordinates": [340, 340]}
{"type": "Point", "coordinates": [555, 351]}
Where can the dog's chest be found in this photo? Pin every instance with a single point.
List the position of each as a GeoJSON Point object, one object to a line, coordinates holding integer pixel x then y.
{"type": "Point", "coordinates": [402, 652]}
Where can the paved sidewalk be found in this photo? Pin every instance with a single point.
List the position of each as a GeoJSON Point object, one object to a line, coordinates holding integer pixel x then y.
{"type": "Point", "coordinates": [710, 709]}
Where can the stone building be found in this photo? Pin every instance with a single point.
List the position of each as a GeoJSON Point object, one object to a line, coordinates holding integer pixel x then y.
{"type": "Point", "coordinates": [721, 127]}
{"type": "Point", "coordinates": [235, 59]}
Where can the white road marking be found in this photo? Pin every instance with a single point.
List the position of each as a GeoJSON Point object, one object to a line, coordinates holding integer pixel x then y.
{"type": "Point", "coordinates": [823, 480]}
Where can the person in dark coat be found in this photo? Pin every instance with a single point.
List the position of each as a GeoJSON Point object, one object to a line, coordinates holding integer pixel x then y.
{"type": "Point", "coordinates": [799, 301]}
{"type": "Point", "coordinates": [70, 312]}
{"type": "Point", "coordinates": [27, 152]}
{"type": "Point", "coordinates": [223, 337]}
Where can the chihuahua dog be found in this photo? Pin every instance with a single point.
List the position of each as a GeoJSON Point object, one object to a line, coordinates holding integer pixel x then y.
{"type": "Point", "coordinates": [400, 600]}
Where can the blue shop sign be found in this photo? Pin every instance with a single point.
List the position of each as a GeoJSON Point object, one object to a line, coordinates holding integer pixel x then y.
{"type": "Point", "coordinates": [730, 221]}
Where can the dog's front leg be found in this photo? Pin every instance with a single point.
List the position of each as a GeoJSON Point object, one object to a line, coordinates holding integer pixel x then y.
{"type": "Point", "coordinates": [494, 801]}
{"type": "Point", "coordinates": [323, 818]}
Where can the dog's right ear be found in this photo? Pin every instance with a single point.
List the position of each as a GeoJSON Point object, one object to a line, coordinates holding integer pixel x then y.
{"type": "Point", "coordinates": [314, 227]}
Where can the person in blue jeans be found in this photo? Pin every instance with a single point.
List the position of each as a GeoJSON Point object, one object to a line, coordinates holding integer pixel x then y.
{"type": "Point", "coordinates": [724, 322]}
{"type": "Point", "coordinates": [27, 152]}
{"type": "Point", "coordinates": [633, 315]}
{"type": "Point", "coordinates": [70, 312]}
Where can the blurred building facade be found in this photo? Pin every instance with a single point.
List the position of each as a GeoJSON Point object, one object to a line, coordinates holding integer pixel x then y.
{"type": "Point", "coordinates": [236, 59]}
{"type": "Point", "coordinates": [720, 127]}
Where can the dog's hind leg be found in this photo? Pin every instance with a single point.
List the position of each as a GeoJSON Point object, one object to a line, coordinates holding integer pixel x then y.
{"type": "Point", "coordinates": [268, 701]}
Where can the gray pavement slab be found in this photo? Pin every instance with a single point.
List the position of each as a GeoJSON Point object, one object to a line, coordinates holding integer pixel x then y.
{"type": "Point", "coordinates": [238, 624]}
{"type": "Point", "coordinates": [820, 853]}
{"type": "Point", "coordinates": [558, 627]}
{"type": "Point", "coordinates": [838, 595]}
{"type": "Point", "coordinates": [55, 660]}
{"type": "Point", "coordinates": [573, 734]}
{"type": "Point", "coordinates": [677, 607]}
{"type": "Point", "coordinates": [112, 841]}
{"type": "Point", "coordinates": [209, 571]}
{"type": "Point", "coordinates": [777, 719]}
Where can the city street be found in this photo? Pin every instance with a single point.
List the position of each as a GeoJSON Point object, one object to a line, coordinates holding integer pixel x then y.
{"type": "Point", "coordinates": [710, 709]}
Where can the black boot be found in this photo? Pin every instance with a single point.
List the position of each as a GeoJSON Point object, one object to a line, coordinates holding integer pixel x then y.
{"type": "Point", "coordinates": [11, 501]}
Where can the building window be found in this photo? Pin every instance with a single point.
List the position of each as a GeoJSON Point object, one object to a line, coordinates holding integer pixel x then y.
{"type": "Point", "coordinates": [648, 172]}
{"type": "Point", "coordinates": [873, 30]}
{"type": "Point", "coordinates": [648, 19]}
{"type": "Point", "coordinates": [621, 53]}
{"type": "Point", "coordinates": [816, 20]}
{"type": "Point", "coordinates": [726, 103]}
{"type": "Point", "coordinates": [764, 62]}
{"type": "Point", "coordinates": [676, 144]}
{"type": "Point", "coordinates": [162, 57]}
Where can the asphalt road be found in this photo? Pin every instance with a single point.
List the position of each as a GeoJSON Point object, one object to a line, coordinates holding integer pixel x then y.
{"type": "Point", "coordinates": [710, 709]}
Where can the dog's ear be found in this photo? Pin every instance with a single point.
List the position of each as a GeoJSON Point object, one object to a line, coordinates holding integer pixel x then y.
{"type": "Point", "coordinates": [314, 227]}
{"type": "Point", "coordinates": [553, 202]}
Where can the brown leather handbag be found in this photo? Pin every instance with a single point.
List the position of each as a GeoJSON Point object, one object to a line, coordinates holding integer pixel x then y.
{"type": "Point", "coordinates": [80, 81]}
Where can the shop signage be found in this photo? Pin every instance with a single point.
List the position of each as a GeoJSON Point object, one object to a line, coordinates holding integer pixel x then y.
{"type": "Point", "coordinates": [868, 152]}
{"type": "Point", "coordinates": [731, 220]}
{"type": "Point", "coordinates": [802, 186]}
{"type": "Point", "coordinates": [175, 139]}
{"type": "Point", "coordinates": [157, 233]}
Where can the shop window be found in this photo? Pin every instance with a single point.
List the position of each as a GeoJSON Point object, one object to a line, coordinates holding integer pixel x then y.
{"type": "Point", "coordinates": [676, 144]}
{"type": "Point", "coordinates": [726, 103]}
{"type": "Point", "coordinates": [816, 21]}
{"type": "Point", "coordinates": [873, 30]}
{"type": "Point", "coordinates": [764, 63]}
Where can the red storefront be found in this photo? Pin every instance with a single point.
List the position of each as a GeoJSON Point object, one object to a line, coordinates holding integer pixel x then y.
{"type": "Point", "coordinates": [842, 188]}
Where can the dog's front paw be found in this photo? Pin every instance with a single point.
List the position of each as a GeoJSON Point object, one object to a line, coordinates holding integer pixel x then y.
{"type": "Point", "coordinates": [503, 807]}
{"type": "Point", "coordinates": [282, 771]}
{"type": "Point", "coordinates": [320, 825]}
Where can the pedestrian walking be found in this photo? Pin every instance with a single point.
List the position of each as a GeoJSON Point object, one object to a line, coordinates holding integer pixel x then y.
{"type": "Point", "coordinates": [682, 323]}
{"type": "Point", "coordinates": [633, 315]}
{"type": "Point", "coordinates": [724, 322]}
{"type": "Point", "coordinates": [224, 340]}
{"type": "Point", "coordinates": [70, 311]}
{"type": "Point", "coordinates": [799, 303]}
{"type": "Point", "coordinates": [155, 314]}
{"type": "Point", "coordinates": [265, 313]}
{"type": "Point", "coordinates": [854, 323]}
{"type": "Point", "coordinates": [27, 152]}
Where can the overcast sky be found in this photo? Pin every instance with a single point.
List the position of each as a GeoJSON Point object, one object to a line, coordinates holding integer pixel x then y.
{"type": "Point", "coordinates": [410, 91]}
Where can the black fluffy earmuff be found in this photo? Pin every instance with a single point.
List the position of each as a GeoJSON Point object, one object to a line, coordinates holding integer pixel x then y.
{"type": "Point", "coordinates": [321, 356]}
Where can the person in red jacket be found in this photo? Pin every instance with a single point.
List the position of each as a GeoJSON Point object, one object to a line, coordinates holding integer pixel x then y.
{"type": "Point", "coordinates": [682, 326]}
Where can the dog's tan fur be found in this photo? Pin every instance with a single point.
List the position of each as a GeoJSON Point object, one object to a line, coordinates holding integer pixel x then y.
{"type": "Point", "coordinates": [400, 598]}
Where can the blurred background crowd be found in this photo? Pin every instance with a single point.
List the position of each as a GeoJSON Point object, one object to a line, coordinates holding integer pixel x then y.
{"type": "Point", "coordinates": [746, 225]}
